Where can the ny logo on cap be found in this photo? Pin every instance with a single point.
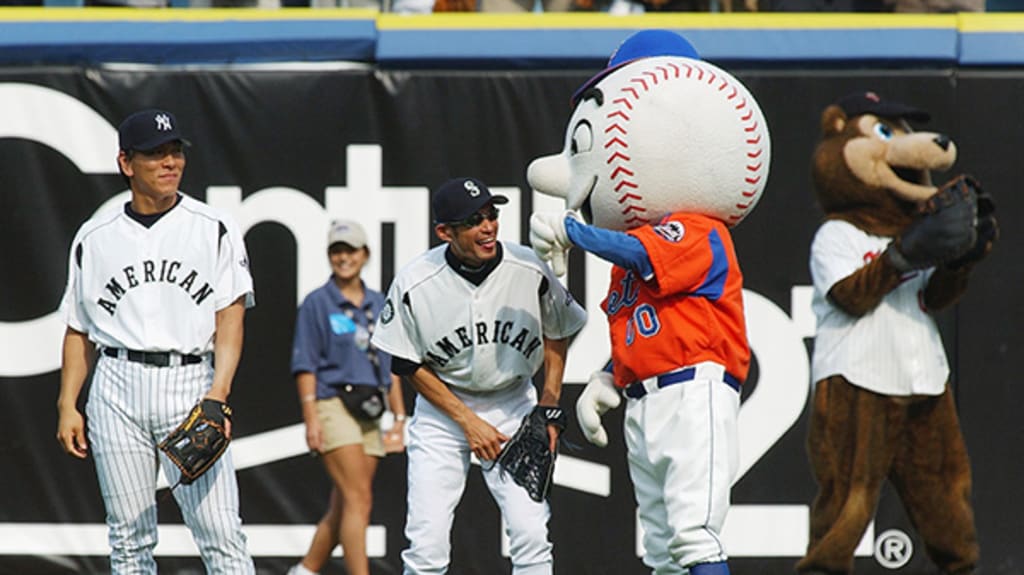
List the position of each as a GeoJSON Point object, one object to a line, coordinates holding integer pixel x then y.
{"type": "Point", "coordinates": [163, 122]}
{"type": "Point", "coordinates": [471, 187]}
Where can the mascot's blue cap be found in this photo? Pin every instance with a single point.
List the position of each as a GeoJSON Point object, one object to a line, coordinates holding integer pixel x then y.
{"type": "Point", "coordinates": [642, 44]}
{"type": "Point", "coordinates": [648, 43]}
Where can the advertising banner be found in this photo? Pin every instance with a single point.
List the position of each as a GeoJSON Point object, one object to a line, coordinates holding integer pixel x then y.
{"type": "Point", "coordinates": [288, 150]}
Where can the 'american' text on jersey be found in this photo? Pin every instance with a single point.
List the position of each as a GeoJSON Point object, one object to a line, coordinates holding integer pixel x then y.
{"type": "Point", "coordinates": [484, 333]}
{"type": "Point", "coordinates": [149, 272]}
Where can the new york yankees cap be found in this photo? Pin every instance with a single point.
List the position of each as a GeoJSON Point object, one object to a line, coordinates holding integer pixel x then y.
{"type": "Point", "coordinates": [149, 129]}
{"type": "Point", "coordinates": [867, 102]}
{"type": "Point", "coordinates": [346, 232]}
{"type": "Point", "coordinates": [459, 198]}
{"type": "Point", "coordinates": [642, 44]}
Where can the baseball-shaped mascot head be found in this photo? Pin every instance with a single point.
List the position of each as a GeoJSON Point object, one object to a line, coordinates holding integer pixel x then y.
{"type": "Point", "coordinates": [659, 131]}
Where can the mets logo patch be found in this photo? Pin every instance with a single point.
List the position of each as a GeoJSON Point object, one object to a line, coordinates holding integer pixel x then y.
{"type": "Point", "coordinates": [671, 231]}
{"type": "Point", "coordinates": [388, 313]}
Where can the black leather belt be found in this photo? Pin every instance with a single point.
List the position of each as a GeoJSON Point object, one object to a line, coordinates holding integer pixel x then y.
{"type": "Point", "coordinates": [154, 358]}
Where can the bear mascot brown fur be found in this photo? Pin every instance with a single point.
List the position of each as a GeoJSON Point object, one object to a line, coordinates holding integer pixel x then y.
{"type": "Point", "coordinates": [893, 249]}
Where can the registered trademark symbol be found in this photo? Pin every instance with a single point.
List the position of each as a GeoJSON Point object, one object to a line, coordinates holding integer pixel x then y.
{"type": "Point", "coordinates": [893, 549]}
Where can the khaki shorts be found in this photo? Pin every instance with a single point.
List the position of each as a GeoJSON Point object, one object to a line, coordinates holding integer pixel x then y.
{"type": "Point", "coordinates": [340, 428]}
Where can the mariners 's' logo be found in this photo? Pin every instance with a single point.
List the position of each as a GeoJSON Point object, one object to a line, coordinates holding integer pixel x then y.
{"type": "Point", "coordinates": [471, 187]}
{"type": "Point", "coordinates": [388, 313]}
{"type": "Point", "coordinates": [671, 231]}
{"type": "Point", "coordinates": [163, 122]}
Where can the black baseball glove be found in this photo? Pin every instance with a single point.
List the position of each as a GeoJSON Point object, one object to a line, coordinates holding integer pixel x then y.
{"type": "Point", "coordinates": [200, 440]}
{"type": "Point", "coordinates": [528, 457]}
{"type": "Point", "coordinates": [987, 229]}
{"type": "Point", "coordinates": [943, 229]}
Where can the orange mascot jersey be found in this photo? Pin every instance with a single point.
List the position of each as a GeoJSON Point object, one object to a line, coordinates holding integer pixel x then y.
{"type": "Point", "coordinates": [691, 308]}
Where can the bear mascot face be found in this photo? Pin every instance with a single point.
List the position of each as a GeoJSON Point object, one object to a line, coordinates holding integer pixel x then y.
{"type": "Point", "coordinates": [659, 131]}
{"type": "Point", "coordinates": [871, 168]}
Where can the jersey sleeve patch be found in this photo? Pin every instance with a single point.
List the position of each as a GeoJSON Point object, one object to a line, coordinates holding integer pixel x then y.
{"type": "Point", "coordinates": [671, 231]}
{"type": "Point", "coordinates": [387, 313]}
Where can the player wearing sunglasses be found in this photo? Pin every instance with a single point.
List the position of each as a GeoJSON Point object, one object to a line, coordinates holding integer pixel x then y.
{"type": "Point", "coordinates": [469, 323]}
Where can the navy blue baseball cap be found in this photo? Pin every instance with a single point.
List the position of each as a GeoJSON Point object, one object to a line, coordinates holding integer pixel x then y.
{"type": "Point", "coordinates": [867, 102]}
{"type": "Point", "coordinates": [149, 129]}
{"type": "Point", "coordinates": [642, 44]}
{"type": "Point", "coordinates": [459, 198]}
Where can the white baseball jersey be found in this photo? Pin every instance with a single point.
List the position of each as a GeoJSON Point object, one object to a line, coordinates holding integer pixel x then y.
{"type": "Point", "coordinates": [894, 349]}
{"type": "Point", "coordinates": [156, 288]}
{"type": "Point", "coordinates": [477, 337]}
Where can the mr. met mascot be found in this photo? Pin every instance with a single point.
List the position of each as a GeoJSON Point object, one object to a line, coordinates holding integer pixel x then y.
{"type": "Point", "coordinates": [663, 154]}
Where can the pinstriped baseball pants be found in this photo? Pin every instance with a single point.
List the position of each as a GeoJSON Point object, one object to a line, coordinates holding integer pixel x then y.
{"type": "Point", "coordinates": [131, 408]}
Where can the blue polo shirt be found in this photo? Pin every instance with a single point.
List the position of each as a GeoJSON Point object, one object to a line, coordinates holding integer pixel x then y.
{"type": "Point", "coordinates": [332, 338]}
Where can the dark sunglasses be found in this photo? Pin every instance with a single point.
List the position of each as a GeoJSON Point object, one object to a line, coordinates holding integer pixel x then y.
{"type": "Point", "coordinates": [478, 218]}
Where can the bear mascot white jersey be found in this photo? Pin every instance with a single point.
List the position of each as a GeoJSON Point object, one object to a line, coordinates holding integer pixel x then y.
{"type": "Point", "coordinates": [664, 153]}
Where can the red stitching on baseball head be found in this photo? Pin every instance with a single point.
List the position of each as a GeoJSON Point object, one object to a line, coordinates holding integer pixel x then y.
{"type": "Point", "coordinates": [617, 156]}
{"type": "Point", "coordinates": [616, 141]}
{"type": "Point", "coordinates": [618, 131]}
{"type": "Point", "coordinates": [624, 101]}
{"type": "Point", "coordinates": [621, 170]}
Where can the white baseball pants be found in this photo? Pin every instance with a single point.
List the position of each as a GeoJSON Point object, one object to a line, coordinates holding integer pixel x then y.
{"type": "Point", "coordinates": [439, 460]}
{"type": "Point", "coordinates": [683, 454]}
{"type": "Point", "coordinates": [131, 408]}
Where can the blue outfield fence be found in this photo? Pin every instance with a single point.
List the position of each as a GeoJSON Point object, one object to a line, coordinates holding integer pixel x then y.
{"type": "Point", "coordinates": [240, 35]}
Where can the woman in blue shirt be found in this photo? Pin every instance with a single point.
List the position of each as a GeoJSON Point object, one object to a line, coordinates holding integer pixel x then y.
{"type": "Point", "coordinates": [332, 357]}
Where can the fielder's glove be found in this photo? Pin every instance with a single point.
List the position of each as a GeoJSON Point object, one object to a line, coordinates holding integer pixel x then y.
{"type": "Point", "coordinates": [528, 457]}
{"type": "Point", "coordinates": [196, 444]}
{"type": "Point", "coordinates": [944, 228]}
{"type": "Point", "coordinates": [598, 396]}
{"type": "Point", "coordinates": [987, 229]}
{"type": "Point", "coordinates": [549, 239]}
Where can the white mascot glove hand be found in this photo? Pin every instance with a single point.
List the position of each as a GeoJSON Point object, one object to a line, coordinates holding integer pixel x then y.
{"type": "Point", "coordinates": [598, 397]}
{"type": "Point", "coordinates": [550, 240]}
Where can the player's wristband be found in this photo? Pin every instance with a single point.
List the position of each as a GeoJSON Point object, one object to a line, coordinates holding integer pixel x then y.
{"type": "Point", "coordinates": [400, 417]}
{"type": "Point", "coordinates": [552, 415]}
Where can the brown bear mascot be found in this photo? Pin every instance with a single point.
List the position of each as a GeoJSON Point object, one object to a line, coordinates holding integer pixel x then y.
{"type": "Point", "coordinates": [893, 250]}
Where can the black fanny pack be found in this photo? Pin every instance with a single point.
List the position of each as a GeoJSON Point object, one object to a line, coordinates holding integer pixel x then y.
{"type": "Point", "coordinates": [364, 402]}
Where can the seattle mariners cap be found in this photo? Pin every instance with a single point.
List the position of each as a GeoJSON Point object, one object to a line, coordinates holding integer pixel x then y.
{"type": "Point", "coordinates": [642, 44]}
{"type": "Point", "coordinates": [459, 198]}
{"type": "Point", "coordinates": [859, 103]}
{"type": "Point", "coordinates": [346, 232]}
{"type": "Point", "coordinates": [149, 129]}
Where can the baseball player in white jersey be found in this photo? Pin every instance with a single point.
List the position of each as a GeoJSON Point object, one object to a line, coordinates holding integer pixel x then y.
{"type": "Point", "coordinates": [157, 288]}
{"type": "Point", "coordinates": [469, 323]}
